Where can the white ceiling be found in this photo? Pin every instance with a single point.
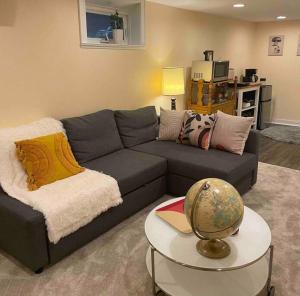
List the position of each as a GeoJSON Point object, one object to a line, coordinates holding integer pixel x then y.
{"type": "Point", "coordinates": [255, 10]}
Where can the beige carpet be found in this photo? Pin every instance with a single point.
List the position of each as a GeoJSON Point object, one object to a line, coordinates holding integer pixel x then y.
{"type": "Point", "coordinates": [114, 264]}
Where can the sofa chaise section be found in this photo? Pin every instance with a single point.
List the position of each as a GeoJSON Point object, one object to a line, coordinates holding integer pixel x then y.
{"type": "Point", "coordinates": [188, 164]}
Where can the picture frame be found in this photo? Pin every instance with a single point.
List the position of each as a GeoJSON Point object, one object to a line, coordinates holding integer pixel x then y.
{"type": "Point", "coordinates": [276, 45]}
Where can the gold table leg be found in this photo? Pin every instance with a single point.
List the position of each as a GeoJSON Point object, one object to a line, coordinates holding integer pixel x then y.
{"type": "Point", "coordinates": [271, 289]}
{"type": "Point", "coordinates": [155, 291]}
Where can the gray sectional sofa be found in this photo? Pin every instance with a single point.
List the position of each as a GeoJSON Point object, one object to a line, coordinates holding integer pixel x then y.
{"type": "Point", "coordinates": [121, 144]}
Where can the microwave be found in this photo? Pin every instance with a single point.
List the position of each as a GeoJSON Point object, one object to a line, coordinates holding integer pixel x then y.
{"type": "Point", "coordinates": [210, 70]}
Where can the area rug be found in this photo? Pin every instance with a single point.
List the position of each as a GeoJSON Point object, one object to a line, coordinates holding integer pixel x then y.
{"type": "Point", "coordinates": [283, 133]}
{"type": "Point", "coordinates": [114, 264]}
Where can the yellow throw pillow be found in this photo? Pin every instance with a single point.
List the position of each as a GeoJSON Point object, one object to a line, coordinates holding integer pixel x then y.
{"type": "Point", "coordinates": [47, 159]}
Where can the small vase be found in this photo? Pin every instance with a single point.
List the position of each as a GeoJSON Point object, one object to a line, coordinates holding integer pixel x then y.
{"type": "Point", "coordinates": [118, 36]}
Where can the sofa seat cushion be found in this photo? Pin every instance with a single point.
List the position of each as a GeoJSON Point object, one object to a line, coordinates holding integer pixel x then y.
{"type": "Point", "coordinates": [130, 168]}
{"type": "Point", "coordinates": [93, 135]}
{"type": "Point", "coordinates": [194, 163]}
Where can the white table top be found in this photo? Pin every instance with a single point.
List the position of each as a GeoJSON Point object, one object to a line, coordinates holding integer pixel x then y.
{"type": "Point", "coordinates": [251, 243]}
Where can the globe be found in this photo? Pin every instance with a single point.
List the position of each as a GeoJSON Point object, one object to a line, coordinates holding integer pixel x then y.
{"type": "Point", "coordinates": [215, 210]}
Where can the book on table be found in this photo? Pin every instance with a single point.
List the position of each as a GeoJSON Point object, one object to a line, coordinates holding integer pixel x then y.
{"type": "Point", "coordinates": [174, 215]}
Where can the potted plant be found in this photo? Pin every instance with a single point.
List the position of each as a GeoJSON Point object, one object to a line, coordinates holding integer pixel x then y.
{"type": "Point", "coordinates": [117, 27]}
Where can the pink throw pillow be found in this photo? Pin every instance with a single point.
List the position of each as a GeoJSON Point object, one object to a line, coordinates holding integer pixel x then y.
{"type": "Point", "coordinates": [231, 132]}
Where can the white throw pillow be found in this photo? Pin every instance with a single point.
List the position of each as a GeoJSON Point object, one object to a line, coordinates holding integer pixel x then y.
{"type": "Point", "coordinates": [231, 132]}
{"type": "Point", "coordinates": [170, 124]}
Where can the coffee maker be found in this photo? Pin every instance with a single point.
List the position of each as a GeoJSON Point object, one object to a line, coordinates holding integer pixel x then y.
{"type": "Point", "coordinates": [250, 75]}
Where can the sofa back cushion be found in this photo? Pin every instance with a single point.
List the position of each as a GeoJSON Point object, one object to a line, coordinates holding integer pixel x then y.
{"type": "Point", "coordinates": [93, 135]}
{"type": "Point", "coordinates": [137, 126]}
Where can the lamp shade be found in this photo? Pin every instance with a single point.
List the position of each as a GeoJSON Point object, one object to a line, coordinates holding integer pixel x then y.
{"type": "Point", "coordinates": [173, 81]}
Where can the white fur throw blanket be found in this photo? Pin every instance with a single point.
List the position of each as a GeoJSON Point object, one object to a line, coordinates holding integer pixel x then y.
{"type": "Point", "coordinates": [66, 204]}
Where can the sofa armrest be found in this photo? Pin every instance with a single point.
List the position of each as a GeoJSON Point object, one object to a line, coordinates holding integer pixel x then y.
{"type": "Point", "coordinates": [252, 143]}
{"type": "Point", "coordinates": [23, 232]}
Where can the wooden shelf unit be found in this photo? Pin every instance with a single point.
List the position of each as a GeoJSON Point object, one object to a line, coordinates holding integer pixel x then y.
{"type": "Point", "coordinates": [209, 97]}
{"type": "Point", "coordinates": [240, 98]}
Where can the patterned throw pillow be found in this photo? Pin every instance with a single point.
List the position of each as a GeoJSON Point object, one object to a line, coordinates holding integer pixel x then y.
{"type": "Point", "coordinates": [183, 137]}
{"type": "Point", "coordinates": [47, 159]}
{"type": "Point", "coordinates": [197, 130]}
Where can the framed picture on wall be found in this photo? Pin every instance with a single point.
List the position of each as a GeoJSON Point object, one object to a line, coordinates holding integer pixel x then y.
{"type": "Point", "coordinates": [276, 44]}
{"type": "Point", "coordinates": [298, 48]}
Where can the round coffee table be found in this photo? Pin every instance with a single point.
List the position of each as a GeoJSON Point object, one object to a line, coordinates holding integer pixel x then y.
{"type": "Point", "coordinates": [179, 270]}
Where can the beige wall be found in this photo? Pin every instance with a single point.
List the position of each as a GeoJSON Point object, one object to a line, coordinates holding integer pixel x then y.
{"type": "Point", "coordinates": [44, 72]}
{"type": "Point", "coordinates": [283, 72]}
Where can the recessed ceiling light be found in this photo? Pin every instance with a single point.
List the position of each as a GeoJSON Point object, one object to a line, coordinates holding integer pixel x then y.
{"type": "Point", "coordinates": [281, 17]}
{"type": "Point", "coordinates": [239, 5]}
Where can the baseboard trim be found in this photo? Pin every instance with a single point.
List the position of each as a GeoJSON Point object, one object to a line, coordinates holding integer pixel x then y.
{"type": "Point", "coordinates": [286, 122]}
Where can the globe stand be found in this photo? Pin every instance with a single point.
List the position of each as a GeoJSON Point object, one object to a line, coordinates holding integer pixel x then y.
{"type": "Point", "coordinates": [213, 248]}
